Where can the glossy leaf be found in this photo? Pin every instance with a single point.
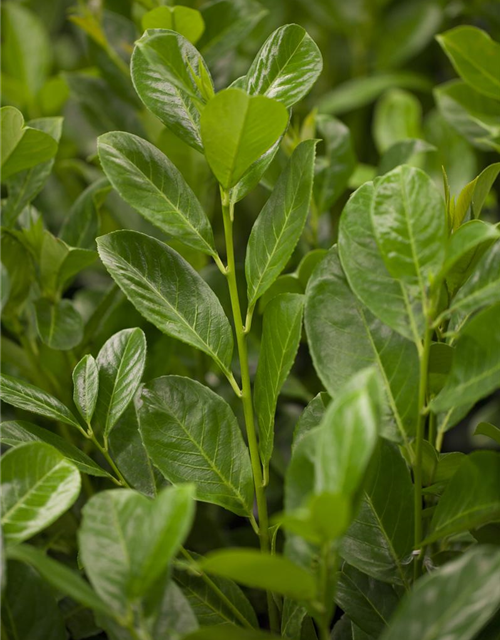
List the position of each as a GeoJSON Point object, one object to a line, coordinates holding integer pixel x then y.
{"type": "Point", "coordinates": [167, 291]}
{"type": "Point", "coordinates": [471, 498]}
{"type": "Point", "coordinates": [126, 540]}
{"type": "Point", "coordinates": [237, 129]}
{"type": "Point", "coordinates": [286, 67]}
{"type": "Point", "coordinates": [26, 396]}
{"type": "Point", "coordinates": [17, 432]}
{"type": "Point", "coordinates": [120, 363]}
{"type": "Point", "coordinates": [280, 341]}
{"type": "Point", "coordinates": [279, 225]}
{"type": "Point", "coordinates": [344, 337]}
{"type": "Point", "coordinates": [59, 324]}
{"type": "Point", "coordinates": [86, 387]}
{"type": "Point", "coordinates": [261, 571]}
{"type": "Point", "coordinates": [186, 21]}
{"type": "Point", "coordinates": [469, 593]}
{"type": "Point", "coordinates": [191, 435]}
{"type": "Point", "coordinates": [38, 486]}
{"type": "Point", "coordinates": [147, 180]}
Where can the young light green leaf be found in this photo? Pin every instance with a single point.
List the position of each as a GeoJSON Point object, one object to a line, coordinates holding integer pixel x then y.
{"type": "Point", "coordinates": [409, 222]}
{"type": "Point", "coordinates": [237, 129]}
{"type": "Point", "coordinates": [286, 67]}
{"type": "Point", "coordinates": [471, 498]}
{"type": "Point", "coordinates": [38, 486]}
{"type": "Point", "coordinates": [168, 292]}
{"type": "Point", "coordinates": [147, 180]}
{"type": "Point", "coordinates": [280, 341]}
{"type": "Point", "coordinates": [186, 21]}
{"type": "Point", "coordinates": [469, 594]}
{"type": "Point", "coordinates": [26, 396]}
{"type": "Point", "coordinates": [474, 194]}
{"type": "Point", "coordinates": [476, 364]}
{"type": "Point", "coordinates": [261, 571]}
{"type": "Point", "coordinates": [86, 387]}
{"type": "Point", "coordinates": [475, 56]}
{"type": "Point", "coordinates": [279, 225]}
{"type": "Point", "coordinates": [126, 540]}
{"type": "Point", "coordinates": [344, 337]}
{"type": "Point", "coordinates": [17, 432]}
{"type": "Point", "coordinates": [121, 364]}
{"type": "Point", "coordinates": [59, 324]}
{"type": "Point", "coordinates": [191, 435]}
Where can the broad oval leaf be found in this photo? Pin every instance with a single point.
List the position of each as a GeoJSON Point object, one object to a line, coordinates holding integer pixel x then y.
{"type": "Point", "coordinates": [121, 364]}
{"type": "Point", "coordinates": [38, 486]}
{"type": "Point", "coordinates": [191, 435]}
{"type": "Point", "coordinates": [126, 540]}
{"type": "Point", "coordinates": [148, 181]}
{"type": "Point", "coordinates": [86, 387]}
{"type": "Point", "coordinates": [168, 292]}
{"type": "Point", "coordinates": [261, 571]}
{"type": "Point", "coordinates": [237, 129]}
{"type": "Point", "coordinates": [286, 67]}
{"type": "Point", "coordinates": [280, 223]}
{"type": "Point", "coordinates": [26, 396]}
{"type": "Point", "coordinates": [469, 594]}
{"type": "Point", "coordinates": [280, 341]}
{"type": "Point", "coordinates": [59, 324]}
{"type": "Point", "coordinates": [184, 20]}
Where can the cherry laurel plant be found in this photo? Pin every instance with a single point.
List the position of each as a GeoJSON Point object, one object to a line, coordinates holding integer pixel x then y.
{"type": "Point", "coordinates": [401, 318]}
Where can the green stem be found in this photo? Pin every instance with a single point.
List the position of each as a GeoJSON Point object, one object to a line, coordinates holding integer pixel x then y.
{"type": "Point", "coordinates": [246, 394]}
{"type": "Point", "coordinates": [109, 460]}
{"type": "Point", "coordinates": [324, 626]}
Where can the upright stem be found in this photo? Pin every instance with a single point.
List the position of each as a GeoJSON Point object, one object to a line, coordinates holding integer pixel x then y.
{"type": "Point", "coordinates": [246, 394]}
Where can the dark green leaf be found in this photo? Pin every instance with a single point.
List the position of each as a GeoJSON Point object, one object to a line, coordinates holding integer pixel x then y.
{"type": "Point", "coordinates": [404, 152]}
{"type": "Point", "coordinates": [59, 324]}
{"type": "Point", "coordinates": [18, 263]}
{"type": "Point", "coordinates": [82, 224]}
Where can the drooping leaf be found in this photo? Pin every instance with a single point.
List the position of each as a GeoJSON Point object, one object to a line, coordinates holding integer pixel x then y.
{"type": "Point", "coordinates": [469, 593]}
{"type": "Point", "coordinates": [286, 67]}
{"type": "Point", "coordinates": [280, 341]}
{"type": "Point", "coordinates": [16, 432]}
{"type": "Point", "coordinates": [261, 571]}
{"type": "Point", "coordinates": [26, 396]}
{"type": "Point", "coordinates": [279, 225]}
{"type": "Point", "coordinates": [38, 486]}
{"type": "Point", "coordinates": [186, 21]}
{"type": "Point", "coordinates": [85, 387]}
{"type": "Point", "coordinates": [126, 540]}
{"type": "Point", "coordinates": [59, 324]}
{"type": "Point", "coordinates": [191, 435]}
{"type": "Point", "coordinates": [167, 291]}
{"type": "Point", "coordinates": [237, 129]}
{"type": "Point", "coordinates": [147, 180]}
{"type": "Point", "coordinates": [120, 363]}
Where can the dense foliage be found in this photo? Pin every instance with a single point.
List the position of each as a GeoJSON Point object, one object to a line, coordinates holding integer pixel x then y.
{"type": "Point", "coordinates": [250, 296]}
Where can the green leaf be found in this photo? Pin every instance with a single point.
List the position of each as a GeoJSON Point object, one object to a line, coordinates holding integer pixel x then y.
{"type": "Point", "coordinates": [82, 223]}
{"type": "Point", "coordinates": [310, 417]}
{"type": "Point", "coordinates": [280, 341]}
{"type": "Point", "coordinates": [475, 56]}
{"type": "Point", "coordinates": [476, 364]}
{"type": "Point", "coordinates": [58, 576]}
{"type": "Point", "coordinates": [186, 21]}
{"type": "Point", "coordinates": [380, 540]}
{"type": "Point", "coordinates": [261, 571]}
{"type": "Point", "coordinates": [471, 497]}
{"type": "Point", "coordinates": [408, 217]}
{"type": "Point", "coordinates": [344, 337]}
{"type": "Point", "coordinates": [126, 541]}
{"type": "Point", "coordinates": [121, 364]}
{"type": "Point", "coordinates": [162, 66]}
{"type": "Point", "coordinates": [474, 194]}
{"type": "Point", "coordinates": [396, 305]}
{"type": "Point", "coordinates": [279, 225]}
{"type": "Point", "coordinates": [369, 603]}
{"type": "Point", "coordinates": [237, 129]}
{"type": "Point", "coordinates": [489, 430]}
{"type": "Point", "coordinates": [86, 387]}
{"type": "Point", "coordinates": [191, 435]}
{"type": "Point", "coordinates": [156, 280]}
{"type": "Point", "coordinates": [22, 147]}
{"type": "Point", "coordinates": [38, 486]}
{"type": "Point", "coordinates": [147, 180]}
{"type": "Point", "coordinates": [229, 633]}
{"type": "Point", "coordinates": [348, 433]}
{"type": "Point", "coordinates": [59, 324]}
{"type": "Point", "coordinates": [398, 116]}
{"type": "Point", "coordinates": [26, 396]}
{"type": "Point", "coordinates": [17, 432]}
{"type": "Point", "coordinates": [29, 607]}
{"type": "Point", "coordinates": [404, 152]}
{"type": "Point", "coordinates": [286, 67]}
{"type": "Point", "coordinates": [469, 593]}
{"type": "Point", "coordinates": [255, 173]}
{"type": "Point", "coordinates": [18, 263]}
